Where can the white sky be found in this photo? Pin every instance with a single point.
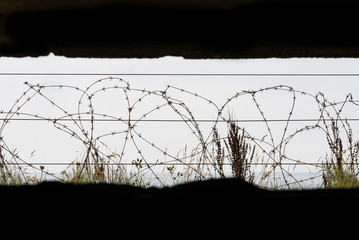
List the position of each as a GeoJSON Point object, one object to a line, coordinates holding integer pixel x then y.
{"type": "Point", "coordinates": [51, 145]}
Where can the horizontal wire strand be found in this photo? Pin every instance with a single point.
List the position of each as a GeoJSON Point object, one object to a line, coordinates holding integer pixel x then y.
{"type": "Point", "coordinates": [161, 164]}
{"type": "Point", "coordinates": [168, 120]}
{"type": "Point", "coordinates": [190, 74]}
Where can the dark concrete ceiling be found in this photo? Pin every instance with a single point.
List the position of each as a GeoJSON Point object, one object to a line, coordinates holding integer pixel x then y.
{"type": "Point", "coordinates": [188, 28]}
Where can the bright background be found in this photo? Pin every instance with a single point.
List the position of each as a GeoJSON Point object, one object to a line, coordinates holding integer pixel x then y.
{"type": "Point", "coordinates": [52, 145]}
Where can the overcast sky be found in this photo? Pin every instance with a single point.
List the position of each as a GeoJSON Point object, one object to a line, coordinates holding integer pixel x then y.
{"type": "Point", "coordinates": [52, 145]}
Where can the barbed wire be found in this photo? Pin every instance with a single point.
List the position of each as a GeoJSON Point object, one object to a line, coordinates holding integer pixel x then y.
{"type": "Point", "coordinates": [172, 120]}
{"type": "Point", "coordinates": [201, 160]}
{"type": "Point", "coordinates": [185, 74]}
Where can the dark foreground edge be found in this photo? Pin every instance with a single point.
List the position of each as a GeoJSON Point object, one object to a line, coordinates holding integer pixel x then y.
{"type": "Point", "coordinates": [214, 191]}
{"type": "Point", "coordinates": [215, 203]}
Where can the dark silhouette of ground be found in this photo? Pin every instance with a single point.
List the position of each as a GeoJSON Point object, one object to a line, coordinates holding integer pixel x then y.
{"type": "Point", "coordinates": [231, 195]}
{"type": "Point", "coordinates": [220, 208]}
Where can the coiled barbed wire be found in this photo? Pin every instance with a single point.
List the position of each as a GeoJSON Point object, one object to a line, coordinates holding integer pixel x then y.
{"type": "Point", "coordinates": [273, 153]}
